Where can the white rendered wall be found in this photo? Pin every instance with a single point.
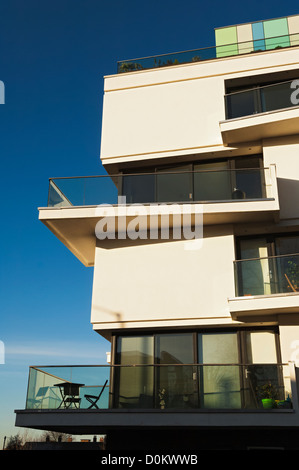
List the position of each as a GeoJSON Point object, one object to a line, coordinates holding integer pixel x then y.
{"type": "Point", "coordinates": [176, 110]}
{"type": "Point", "coordinates": [156, 283]}
{"type": "Point", "coordinates": [284, 153]}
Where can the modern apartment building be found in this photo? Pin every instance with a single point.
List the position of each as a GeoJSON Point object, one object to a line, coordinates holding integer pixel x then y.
{"type": "Point", "coordinates": [193, 236]}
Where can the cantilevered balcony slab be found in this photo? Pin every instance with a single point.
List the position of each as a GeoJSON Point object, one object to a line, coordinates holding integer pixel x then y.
{"type": "Point", "coordinates": [278, 123]}
{"type": "Point", "coordinates": [76, 226]}
{"type": "Point", "coordinates": [76, 207]}
{"type": "Point", "coordinates": [263, 305]}
{"type": "Point", "coordinates": [103, 421]}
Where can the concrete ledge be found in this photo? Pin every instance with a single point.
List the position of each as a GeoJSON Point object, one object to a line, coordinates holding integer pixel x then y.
{"type": "Point", "coordinates": [101, 421]}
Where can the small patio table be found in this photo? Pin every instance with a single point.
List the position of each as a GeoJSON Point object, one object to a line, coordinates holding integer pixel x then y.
{"type": "Point", "coordinates": [69, 394]}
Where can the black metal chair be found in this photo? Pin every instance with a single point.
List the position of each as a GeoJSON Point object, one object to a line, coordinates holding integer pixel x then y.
{"type": "Point", "coordinates": [94, 399]}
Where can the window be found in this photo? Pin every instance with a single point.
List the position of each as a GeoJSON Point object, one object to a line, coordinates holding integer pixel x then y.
{"type": "Point", "coordinates": [199, 369]}
{"type": "Point", "coordinates": [218, 180]}
{"type": "Point", "coordinates": [261, 93]}
{"type": "Point", "coordinates": [267, 264]}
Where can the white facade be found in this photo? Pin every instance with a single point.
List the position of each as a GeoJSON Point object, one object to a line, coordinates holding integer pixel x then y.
{"type": "Point", "coordinates": [235, 280]}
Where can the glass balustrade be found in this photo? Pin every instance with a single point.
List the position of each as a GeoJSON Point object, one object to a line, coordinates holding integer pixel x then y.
{"type": "Point", "coordinates": [260, 100]}
{"type": "Point", "coordinates": [169, 386]}
{"type": "Point", "coordinates": [198, 55]}
{"type": "Point", "coordinates": [161, 187]}
{"type": "Point", "coordinates": [266, 276]}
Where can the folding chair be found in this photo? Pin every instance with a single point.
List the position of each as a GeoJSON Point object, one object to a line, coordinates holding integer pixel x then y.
{"type": "Point", "coordinates": [94, 399]}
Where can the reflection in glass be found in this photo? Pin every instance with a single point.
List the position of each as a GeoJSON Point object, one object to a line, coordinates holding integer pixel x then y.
{"type": "Point", "coordinates": [173, 186]}
{"type": "Point", "coordinates": [254, 275]}
{"type": "Point", "coordinates": [220, 384]}
{"type": "Point", "coordinates": [259, 100]}
{"type": "Point", "coordinates": [276, 96]}
{"type": "Point", "coordinates": [134, 385]}
{"type": "Point", "coordinates": [139, 188]}
{"type": "Point", "coordinates": [262, 368]}
{"type": "Point", "coordinates": [175, 385]}
{"type": "Point", "coordinates": [214, 183]}
{"type": "Point", "coordinates": [242, 103]}
{"type": "Point", "coordinates": [249, 177]}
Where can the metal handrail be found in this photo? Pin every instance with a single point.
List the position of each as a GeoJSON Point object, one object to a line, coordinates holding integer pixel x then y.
{"type": "Point", "coordinates": [266, 257]}
{"type": "Point", "coordinates": [118, 175]}
{"type": "Point", "coordinates": [153, 57]}
{"type": "Point", "coordinates": [39, 368]}
{"type": "Point", "coordinates": [259, 87]}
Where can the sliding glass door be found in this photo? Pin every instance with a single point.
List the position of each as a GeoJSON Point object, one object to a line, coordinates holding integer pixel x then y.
{"type": "Point", "coordinates": [176, 380]}
{"type": "Point", "coordinates": [134, 386]}
{"type": "Point", "coordinates": [196, 370]}
{"type": "Point", "coordinates": [220, 381]}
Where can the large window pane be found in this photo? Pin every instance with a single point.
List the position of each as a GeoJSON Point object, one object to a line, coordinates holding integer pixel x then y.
{"type": "Point", "coordinates": [220, 384]}
{"type": "Point", "coordinates": [175, 384]}
{"type": "Point", "coordinates": [255, 274]}
{"type": "Point", "coordinates": [134, 385]}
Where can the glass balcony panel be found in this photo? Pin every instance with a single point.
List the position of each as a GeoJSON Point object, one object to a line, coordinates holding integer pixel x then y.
{"type": "Point", "coordinates": [241, 104]}
{"type": "Point", "coordinates": [250, 183]}
{"type": "Point", "coordinates": [139, 188]}
{"type": "Point", "coordinates": [174, 386]}
{"type": "Point", "coordinates": [212, 185]}
{"type": "Point", "coordinates": [207, 53]}
{"type": "Point", "coordinates": [95, 193]}
{"type": "Point", "coordinates": [221, 388]}
{"type": "Point", "coordinates": [266, 276]}
{"type": "Point", "coordinates": [45, 389]}
{"type": "Point", "coordinates": [205, 183]}
{"type": "Point", "coordinates": [134, 385]}
{"type": "Point", "coordinates": [174, 186]}
{"type": "Point", "coordinates": [263, 377]}
{"type": "Point", "coordinates": [276, 97]}
{"type": "Point", "coordinates": [259, 100]}
{"type": "Point", "coordinates": [220, 385]}
{"type": "Point", "coordinates": [83, 191]}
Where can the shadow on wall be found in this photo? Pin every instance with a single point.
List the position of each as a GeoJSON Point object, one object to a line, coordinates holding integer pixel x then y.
{"type": "Point", "coordinates": [117, 316]}
{"type": "Point", "coordinates": [288, 193]}
{"type": "Point", "coordinates": [207, 232]}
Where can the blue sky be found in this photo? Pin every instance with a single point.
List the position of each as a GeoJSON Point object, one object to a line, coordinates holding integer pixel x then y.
{"type": "Point", "coordinates": [53, 57]}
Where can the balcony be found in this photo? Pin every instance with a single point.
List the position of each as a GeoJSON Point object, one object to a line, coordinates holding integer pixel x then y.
{"type": "Point", "coordinates": [153, 396]}
{"type": "Point", "coordinates": [75, 205]}
{"type": "Point", "coordinates": [260, 112]}
{"type": "Point", "coordinates": [266, 286]}
{"type": "Point", "coordinates": [203, 54]}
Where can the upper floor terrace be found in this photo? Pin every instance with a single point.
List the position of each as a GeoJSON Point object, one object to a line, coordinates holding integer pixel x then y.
{"type": "Point", "coordinates": [98, 399]}
{"type": "Point", "coordinates": [206, 53]}
{"type": "Point", "coordinates": [213, 194]}
{"type": "Point", "coordinates": [199, 108]}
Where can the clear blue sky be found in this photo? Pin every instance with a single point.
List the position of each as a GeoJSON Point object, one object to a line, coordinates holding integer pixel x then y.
{"type": "Point", "coordinates": [53, 56]}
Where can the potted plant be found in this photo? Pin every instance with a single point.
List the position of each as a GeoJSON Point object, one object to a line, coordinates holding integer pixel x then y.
{"type": "Point", "coordinates": [268, 395]}
{"type": "Point", "coordinates": [162, 398]}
